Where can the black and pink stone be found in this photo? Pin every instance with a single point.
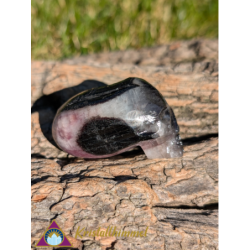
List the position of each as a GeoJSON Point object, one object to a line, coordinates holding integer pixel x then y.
{"type": "Point", "coordinates": [107, 121]}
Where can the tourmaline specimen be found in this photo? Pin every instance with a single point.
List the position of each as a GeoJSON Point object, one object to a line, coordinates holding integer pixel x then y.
{"type": "Point", "coordinates": [109, 120]}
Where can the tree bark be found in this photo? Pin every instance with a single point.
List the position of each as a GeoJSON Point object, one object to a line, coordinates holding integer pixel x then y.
{"type": "Point", "coordinates": [131, 192]}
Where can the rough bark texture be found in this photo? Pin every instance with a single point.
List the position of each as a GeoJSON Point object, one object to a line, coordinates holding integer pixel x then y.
{"type": "Point", "coordinates": [185, 56]}
{"type": "Point", "coordinates": [175, 198]}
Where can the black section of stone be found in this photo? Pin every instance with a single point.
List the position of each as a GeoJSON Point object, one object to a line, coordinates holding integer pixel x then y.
{"type": "Point", "coordinates": [102, 136]}
{"type": "Point", "coordinates": [142, 83]}
{"type": "Point", "coordinates": [99, 95]}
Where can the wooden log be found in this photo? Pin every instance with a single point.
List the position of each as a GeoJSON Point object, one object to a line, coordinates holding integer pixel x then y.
{"type": "Point", "coordinates": [131, 192]}
{"type": "Point", "coordinates": [174, 199]}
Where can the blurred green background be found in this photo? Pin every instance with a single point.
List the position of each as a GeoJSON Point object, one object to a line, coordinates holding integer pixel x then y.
{"type": "Point", "coordinates": [66, 28]}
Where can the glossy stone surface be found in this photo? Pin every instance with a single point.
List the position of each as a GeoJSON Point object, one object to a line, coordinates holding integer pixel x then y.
{"type": "Point", "coordinates": [106, 121]}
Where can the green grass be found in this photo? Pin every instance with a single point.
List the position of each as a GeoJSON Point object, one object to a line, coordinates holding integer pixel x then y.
{"type": "Point", "coordinates": [64, 28]}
